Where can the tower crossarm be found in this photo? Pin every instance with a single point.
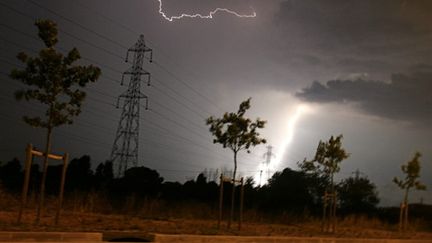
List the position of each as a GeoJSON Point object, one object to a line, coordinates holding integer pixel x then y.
{"type": "Point", "coordinates": [136, 73]}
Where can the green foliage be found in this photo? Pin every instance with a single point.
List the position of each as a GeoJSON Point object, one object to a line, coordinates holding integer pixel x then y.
{"type": "Point", "coordinates": [327, 159]}
{"type": "Point", "coordinates": [235, 131]}
{"type": "Point", "coordinates": [53, 79]}
{"type": "Point", "coordinates": [288, 190]}
{"type": "Point", "coordinates": [325, 164]}
{"type": "Point", "coordinates": [412, 172]}
{"type": "Point", "coordinates": [357, 195]}
{"type": "Point", "coordinates": [49, 33]}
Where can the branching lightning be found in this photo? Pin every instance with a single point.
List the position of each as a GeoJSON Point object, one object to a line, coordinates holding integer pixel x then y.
{"type": "Point", "coordinates": [209, 16]}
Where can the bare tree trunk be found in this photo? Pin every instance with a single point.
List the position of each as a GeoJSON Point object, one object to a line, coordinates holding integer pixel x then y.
{"type": "Point", "coordinates": [44, 175]}
{"type": "Point", "coordinates": [401, 211]}
{"type": "Point", "coordinates": [334, 196]}
{"type": "Point", "coordinates": [233, 191]}
{"type": "Point", "coordinates": [332, 214]}
{"type": "Point", "coordinates": [406, 216]}
{"type": "Point", "coordinates": [220, 200]}
{"type": "Point", "coordinates": [241, 203]}
{"type": "Point", "coordinates": [405, 212]}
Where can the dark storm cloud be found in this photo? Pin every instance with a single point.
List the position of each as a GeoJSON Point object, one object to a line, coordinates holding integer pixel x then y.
{"type": "Point", "coordinates": [422, 68]}
{"type": "Point", "coordinates": [354, 63]}
{"type": "Point", "coordinates": [353, 20]}
{"type": "Point", "coordinates": [408, 97]}
{"type": "Point", "coordinates": [386, 32]}
{"type": "Point", "coordinates": [366, 37]}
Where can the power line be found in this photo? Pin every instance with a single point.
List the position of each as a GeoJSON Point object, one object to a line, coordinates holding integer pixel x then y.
{"type": "Point", "coordinates": [171, 74]}
{"type": "Point", "coordinates": [157, 125]}
{"type": "Point", "coordinates": [106, 145]}
{"type": "Point", "coordinates": [177, 113]}
{"type": "Point", "coordinates": [63, 32]}
{"type": "Point", "coordinates": [187, 85]}
{"type": "Point", "coordinates": [107, 51]}
{"type": "Point", "coordinates": [176, 123]}
{"type": "Point", "coordinates": [60, 48]}
{"type": "Point", "coordinates": [76, 23]}
{"type": "Point", "coordinates": [165, 131]}
{"type": "Point", "coordinates": [175, 99]}
{"type": "Point", "coordinates": [98, 143]}
{"type": "Point", "coordinates": [170, 133]}
{"type": "Point", "coordinates": [187, 107]}
{"type": "Point", "coordinates": [160, 50]}
{"type": "Point", "coordinates": [106, 18]}
{"type": "Point", "coordinates": [114, 42]}
{"type": "Point", "coordinates": [92, 141]}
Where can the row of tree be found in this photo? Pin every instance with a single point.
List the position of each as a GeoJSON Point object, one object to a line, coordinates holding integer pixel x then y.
{"type": "Point", "coordinates": [287, 191]}
{"type": "Point", "coordinates": [237, 132]}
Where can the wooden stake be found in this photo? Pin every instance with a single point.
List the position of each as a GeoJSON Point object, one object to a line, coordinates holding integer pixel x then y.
{"type": "Point", "coordinates": [62, 183]}
{"type": "Point", "coordinates": [334, 196]}
{"type": "Point", "coordinates": [26, 181]}
{"type": "Point", "coordinates": [30, 153]}
{"type": "Point", "coordinates": [324, 218]}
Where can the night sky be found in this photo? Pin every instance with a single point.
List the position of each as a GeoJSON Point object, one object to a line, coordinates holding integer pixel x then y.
{"type": "Point", "coordinates": [313, 69]}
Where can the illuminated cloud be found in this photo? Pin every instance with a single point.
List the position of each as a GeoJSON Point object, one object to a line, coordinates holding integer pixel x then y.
{"type": "Point", "coordinates": [408, 97]}
{"type": "Point", "coordinates": [289, 132]}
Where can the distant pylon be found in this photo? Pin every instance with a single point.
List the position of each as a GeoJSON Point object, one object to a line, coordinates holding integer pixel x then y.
{"type": "Point", "coordinates": [125, 148]}
{"type": "Point", "coordinates": [268, 156]}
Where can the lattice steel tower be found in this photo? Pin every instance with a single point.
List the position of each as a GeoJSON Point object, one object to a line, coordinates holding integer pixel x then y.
{"type": "Point", "coordinates": [268, 156]}
{"type": "Point", "coordinates": [125, 148]}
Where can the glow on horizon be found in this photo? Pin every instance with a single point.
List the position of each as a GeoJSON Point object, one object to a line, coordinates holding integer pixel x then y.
{"type": "Point", "coordinates": [209, 16]}
{"type": "Point", "coordinates": [283, 147]}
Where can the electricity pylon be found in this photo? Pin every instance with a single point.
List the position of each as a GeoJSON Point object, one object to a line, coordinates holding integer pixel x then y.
{"type": "Point", "coordinates": [268, 156]}
{"type": "Point", "coordinates": [125, 148]}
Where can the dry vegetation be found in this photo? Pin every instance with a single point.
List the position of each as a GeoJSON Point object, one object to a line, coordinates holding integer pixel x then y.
{"type": "Point", "coordinates": [93, 214]}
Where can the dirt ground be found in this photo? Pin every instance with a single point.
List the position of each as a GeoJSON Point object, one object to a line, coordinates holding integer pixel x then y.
{"type": "Point", "coordinates": [87, 222]}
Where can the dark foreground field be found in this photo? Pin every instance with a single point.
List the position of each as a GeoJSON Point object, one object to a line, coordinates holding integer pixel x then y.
{"type": "Point", "coordinates": [93, 214]}
{"type": "Point", "coordinates": [91, 222]}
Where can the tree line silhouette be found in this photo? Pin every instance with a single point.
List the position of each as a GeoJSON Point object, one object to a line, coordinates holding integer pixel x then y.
{"type": "Point", "coordinates": [288, 192]}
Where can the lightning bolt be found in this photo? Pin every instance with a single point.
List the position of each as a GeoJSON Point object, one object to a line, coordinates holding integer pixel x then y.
{"type": "Point", "coordinates": [209, 16]}
{"type": "Point", "coordinates": [290, 130]}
